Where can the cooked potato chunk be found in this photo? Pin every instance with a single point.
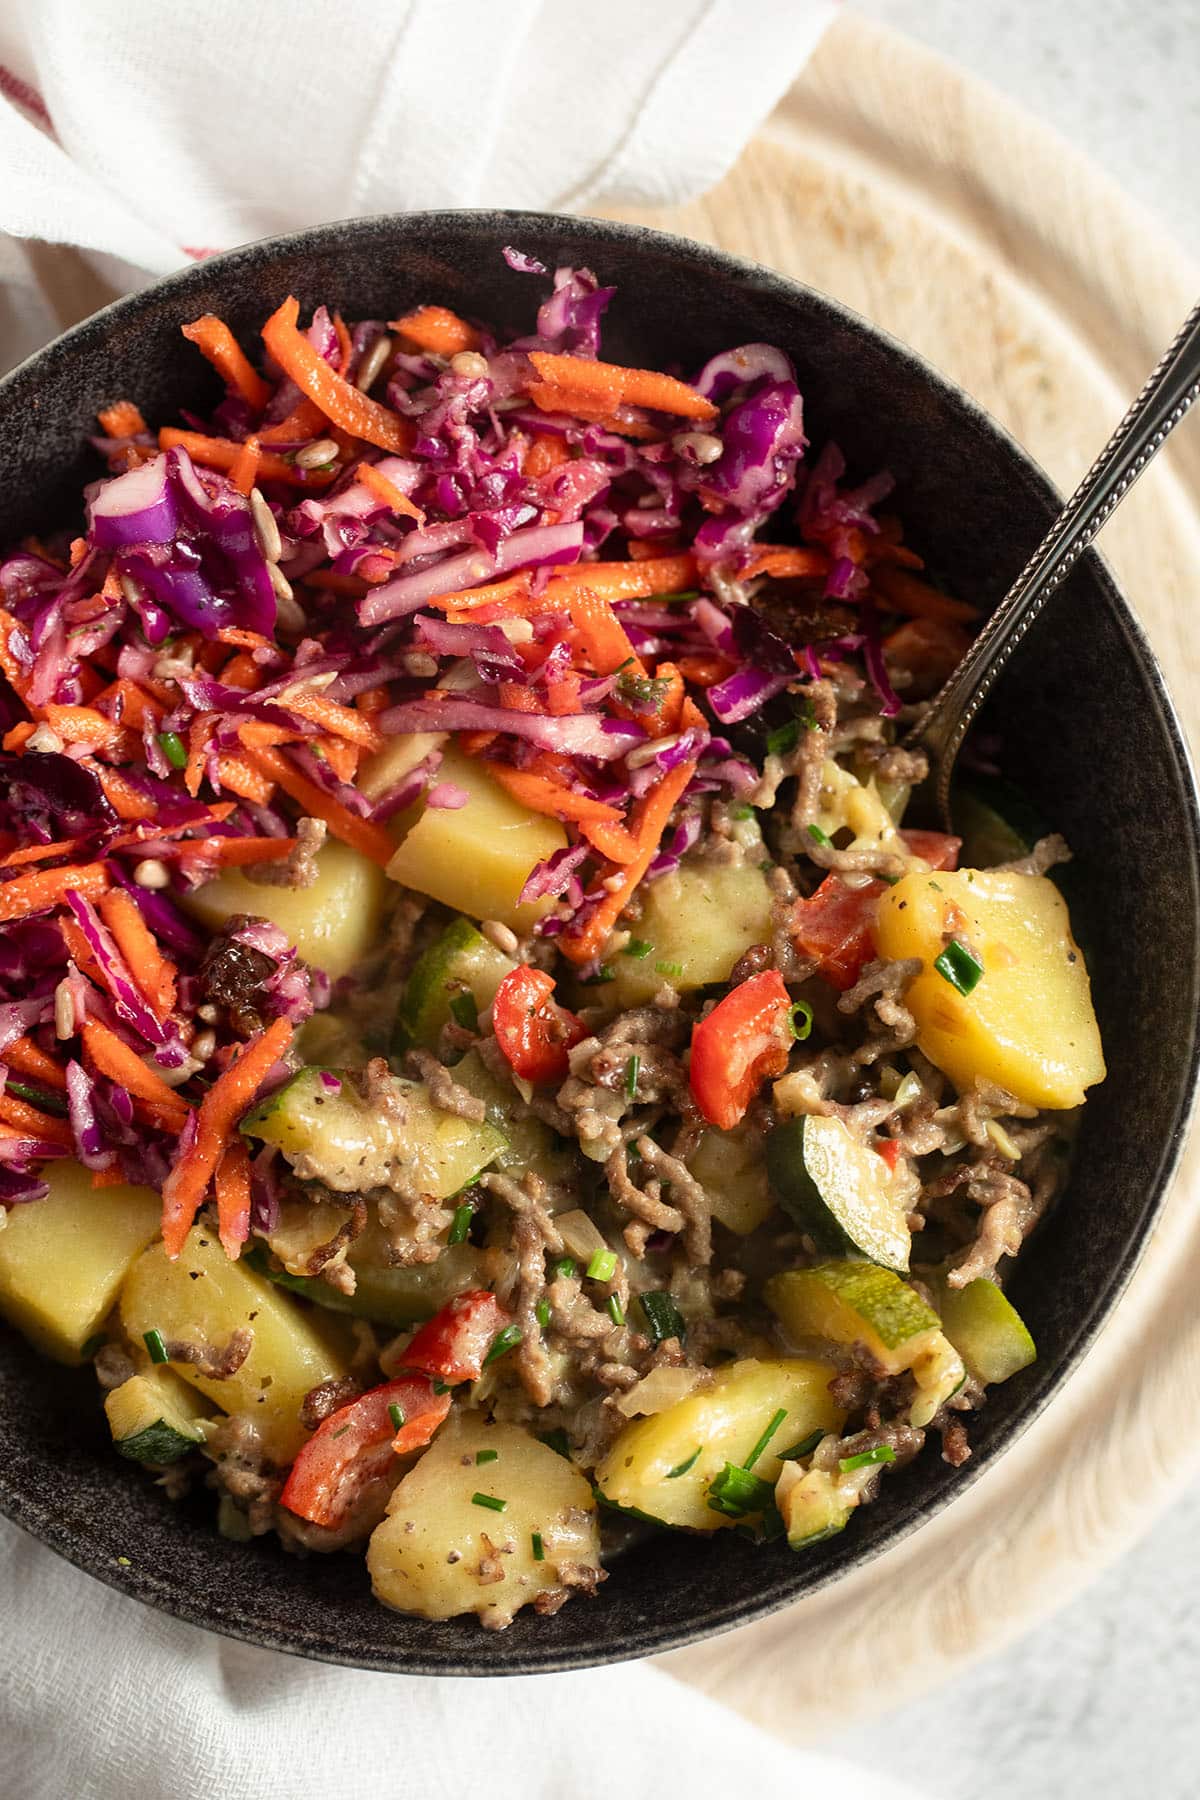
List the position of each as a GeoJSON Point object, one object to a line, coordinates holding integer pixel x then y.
{"type": "Point", "coordinates": [332, 924]}
{"type": "Point", "coordinates": [1028, 1024]}
{"type": "Point", "coordinates": [662, 1466]}
{"type": "Point", "coordinates": [731, 1168]}
{"type": "Point", "coordinates": [292, 1351]}
{"type": "Point", "coordinates": [440, 1552]}
{"type": "Point", "coordinates": [697, 921]}
{"type": "Point", "coordinates": [477, 858]}
{"type": "Point", "coordinates": [62, 1259]}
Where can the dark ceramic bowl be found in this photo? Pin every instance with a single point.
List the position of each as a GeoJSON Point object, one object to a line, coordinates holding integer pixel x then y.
{"type": "Point", "coordinates": [1088, 729]}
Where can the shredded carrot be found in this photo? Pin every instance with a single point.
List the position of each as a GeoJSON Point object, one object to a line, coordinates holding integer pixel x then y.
{"type": "Point", "coordinates": [601, 634]}
{"type": "Point", "coordinates": [389, 493]}
{"type": "Point", "coordinates": [198, 735]}
{"type": "Point", "coordinates": [24, 1056]}
{"type": "Point", "coordinates": [550, 399]}
{"type": "Point", "coordinates": [706, 671]}
{"type": "Point", "coordinates": [126, 702]}
{"type": "Point", "coordinates": [542, 795]}
{"type": "Point", "coordinates": [221, 1108]}
{"type": "Point", "coordinates": [474, 743]}
{"type": "Point", "coordinates": [438, 330]}
{"type": "Point", "coordinates": [247, 783]}
{"type": "Point", "coordinates": [514, 696]}
{"type": "Point", "coordinates": [344, 344]}
{"type": "Point", "coordinates": [30, 894]}
{"type": "Point", "coordinates": [222, 453]}
{"type": "Point", "coordinates": [84, 725]}
{"type": "Point", "coordinates": [241, 671]}
{"type": "Point", "coordinates": [110, 1177]}
{"type": "Point", "coordinates": [649, 820]}
{"type": "Point", "coordinates": [373, 700]}
{"type": "Point", "coordinates": [141, 833]}
{"type": "Point", "coordinates": [122, 419]}
{"type": "Point", "coordinates": [305, 421]}
{"type": "Point", "coordinates": [19, 736]}
{"type": "Point", "coordinates": [338, 400]}
{"type": "Point", "coordinates": [612, 841]}
{"type": "Point", "coordinates": [257, 734]}
{"type": "Point", "coordinates": [341, 756]}
{"type": "Point", "coordinates": [214, 340]}
{"type": "Point", "coordinates": [905, 593]}
{"type": "Point", "coordinates": [372, 840]}
{"type": "Point", "coordinates": [232, 1184]}
{"type": "Point", "coordinates": [512, 592]}
{"type": "Point", "coordinates": [235, 852]}
{"type": "Point", "coordinates": [244, 470]}
{"type": "Point", "coordinates": [80, 951]}
{"type": "Point", "coordinates": [785, 562]}
{"type": "Point", "coordinates": [123, 797]}
{"type": "Point", "coordinates": [39, 1124]}
{"type": "Point", "coordinates": [240, 639]}
{"type": "Point", "coordinates": [13, 669]}
{"type": "Point", "coordinates": [154, 973]}
{"type": "Point", "coordinates": [546, 452]}
{"type": "Point", "coordinates": [622, 580]}
{"type": "Point", "coordinates": [33, 853]}
{"type": "Point", "coordinates": [332, 716]}
{"type": "Point", "coordinates": [562, 696]}
{"type": "Point", "coordinates": [614, 386]}
{"type": "Point", "coordinates": [114, 1058]}
{"type": "Point", "coordinates": [665, 717]}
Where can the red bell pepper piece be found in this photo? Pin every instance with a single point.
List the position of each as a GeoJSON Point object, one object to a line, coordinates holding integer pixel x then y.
{"type": "Point", "coordinates": [453, 1344]}
{"type": "Point", "coordinates": [889, 1149]}
{"type": "Point", "coordinates": [532, 1030]}
{"type": "Point", "coordinates": [357, 1443]}
{"type": "Point", "coordinates": [742, 1043]}
{"type": "Point", "coordinates": [937, 848]}
{"type": "Point", "coordinates": [834, 925]}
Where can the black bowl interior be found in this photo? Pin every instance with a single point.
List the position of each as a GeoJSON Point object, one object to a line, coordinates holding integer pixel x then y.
{"type": "Point", "coordinates": [1087, 728]}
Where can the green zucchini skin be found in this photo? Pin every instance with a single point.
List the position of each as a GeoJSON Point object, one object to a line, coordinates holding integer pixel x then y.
{"type": "Point", "coordinates": [838, 1190]}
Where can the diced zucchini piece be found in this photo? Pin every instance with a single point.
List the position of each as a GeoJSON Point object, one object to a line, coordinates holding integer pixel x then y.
{"type": "Point", "coordinates": [855, 1303]}
{"type": "Point", "coordinates": [329, 1133]}
{"type": "Point", "coordinates": [652, 1468]}
{"type": "Point", "coordinates": [996, 821]}
{"type": "Point", "coordinates": [155, 1417]}
{"type": "Point", "coordinates": [986, 1329]}
{"type": "Point", "coordinates": [476, 858]}
{"type": "Point", "coordinates": [528, 1143]}
{"type": "Point", "coordinates": [63, 1259]}
{"type": "Point", "coordinates": [839, 1190]}
{"type": "Point", "coordinates": [729, 1166]}
{"type": "Point", "coordinates": [204, 1298]}
{"type": "Point", "coordinates": [333, 924]}
{"type": "Point", "coordinates": [698, 921]}
{"type": "Point", "coordinates": [460, 966]}
{"type": "Point", "coordinates": [1028, 1023]}
{"type": "Point", "coordinates": [813, 1503]}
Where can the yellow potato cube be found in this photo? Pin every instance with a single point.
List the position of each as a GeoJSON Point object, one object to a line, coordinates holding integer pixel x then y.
{"type": "Point", "coordinates": [333, 923]}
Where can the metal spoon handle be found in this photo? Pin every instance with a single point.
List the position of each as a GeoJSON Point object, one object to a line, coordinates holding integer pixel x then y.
{"type": "Point", "coordinates": [1164, 400]}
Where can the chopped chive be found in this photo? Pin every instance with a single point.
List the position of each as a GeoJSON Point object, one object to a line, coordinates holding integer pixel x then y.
{"type": "Point", "coordinates": [34, 1096]}
{"type": "Point", "coordinates": [460, 1224]}
{"type": "Point", "coordinates": [541, 1313]}
{"type": "Point", "coordinates": [683, 1467]}
{"type": "Point", "coordinates": [736, 1492]}
{"type": "Point", "coordinates": [741, 812]}
{"type": "Point", "coordinates": [675, 599]}
{"type": "Point", "coordinates": [486, 1456]}
{"type": "Point", "coordinates": [764, 1440]}
{"type": "Point", "coordinates": [805, 1447]}
{"type": "Point", "coordinates": [783, 738]}
{"type": "Point", "coordinates": [820, 837]}
{"type": "Point", "coordinates": [603, 1265]}
{"type": "Point", "coordinates": [668, 968]}
{"type": "Point", "coordinates": [396, 1415]}
{"type": "Point", "coordinates": [153, 1341]}
{"type": "Point", "coordinates": [603, 973]}
{"type": "Point", "coordinates": [662, 1316]}
{"type": "Point", "coordinates": [442, 1387]}
{"type": "Point", "coordinates": [173, 748]}
{"type": "Point", "coordinates": [882, 1453]}
{"type": "Point", "coordinates": [616, 1311]}
{"type": "Point", "coordinates": [638, 947]}
{"type": "Point", "coordinates": [957, 966]}
{"type": "Point", "coordinates": [557, 1441]}
{"type": "Point", "coordinates": [800, 1020]}
{"type": "Point", "coordinates": [539, 1549]}
{"type": "Point", "coordinates": [808, 713]}
{"type": "Point", "coordinates": [502, 1343]}
{"type": "Point", "coordinates": [490, 1501]}
{"type": "Point", "coordinates": [464, 1011]}
{"type": "Point", "coordinates": [633, 1069]}
{"type": "Point", "coordinates": [88, 1350]}
{"type": "Point", "coordinates": [565, 1266]}
{"type": "Point", "coordinates": [340, 1432]}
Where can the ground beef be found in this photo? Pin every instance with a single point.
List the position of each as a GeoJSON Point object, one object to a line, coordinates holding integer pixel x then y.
{"type": "Point", "coordinates": [326, 1398]}
{"type": "Point", "coordinates": [444, 1091]}
{"type": "Point", "coordinates": [217, 1365]}
{"type": "Point", "coordinates": [242, 1470]}
{"type": "Point", "coordinates": [1046, 854]}
{"type": "Point", "coordinates": [113, 1366]}
{"type": "Point", "coordinates": [299, 868]}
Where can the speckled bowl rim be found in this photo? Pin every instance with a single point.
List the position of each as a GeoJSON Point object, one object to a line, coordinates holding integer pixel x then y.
{"type": "Point", "coordinates": [44, 1521]}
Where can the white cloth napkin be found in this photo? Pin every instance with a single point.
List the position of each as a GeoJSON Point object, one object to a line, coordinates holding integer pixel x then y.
{"type": "Point", "coordinates": [140, 135]}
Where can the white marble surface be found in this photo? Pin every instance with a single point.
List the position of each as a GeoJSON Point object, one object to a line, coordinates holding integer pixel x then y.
{"type": "Point", "coordinates": [1100, 1700]}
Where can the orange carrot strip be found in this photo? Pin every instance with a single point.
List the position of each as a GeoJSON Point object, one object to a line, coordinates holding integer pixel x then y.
{"type": "Point", "coordinates": [114, 1058]}
{"type": "Point", "coordinates": [437, 329]}
{"type": "Point", "coordinates": [30, 894]}
{"type": "Point", "coordinates": [38, 1124]}
{"type": "Point", "coordinates": [32, 853]}
{"type": "Point", "coordinates": [544, 796]}
{"type": "Point", "coordinates": [601, 633]}
{"type": "Point", "coordinates": [128, 702]}
{"type": "Point", "coordinates": [338, 400]}
{"type": "Point", "coordinates": [345, 347]}
{"type": "Point", "coordinates": [84, 725]}
{"type": "Point", "coordinates": [243, 640]}
{"type": "Point", "coordinates": [332, 716]}
{"type": "Point", "coordinates": [105, 1178]}
{"type": "Point", "coordinates": [122, 796]}
{"type": "Point", "coordinates": [513, 589]}
{"type": "Point", "coordinates": [372, 840]}
{"type": "Point", "coordinates": [647, 825]}
{"type": "Point", "coordinates": [24, 1056]}
{"type": "Point", "coordinates": [154, 973]}
{"type": "Point", "coordinates": [784, 562]}
{"type": "Point", "coordinates": [706, 671]}
{"type": "Point", "coordinates": [516, 698]}
{"type": "Point", "coordinates": [341, 756]}
{"type": "Point", "coordinates": [217, 813]}
{"type": "Point", "coordinates": [122, 419]}
{"type": "Point", "coordinates": [19, 736]}
{"type": "Point", "coordinates": [612, 841]}
{"type": "Point", "coordinates": [198, 732]}
{"type": "Point", "coordinates": [222, 453]}
{"type": "Point", "coordinates": [904, 593]}
{"type": "Point", "coordinates": [550, 399]}
{"type": "Point", "coordinates": [259, 733]}
{"type": "Point", "coordinates": [373, 700]}
{"type": "Point", "coordinates": [223, 1105]}
{"type": "Point", "coordinates": [234, 852]}
{"type": "Point", "coordinates": [233, 1199]}
{"type": "Point", "coordinates": [244, 469]}
{"type": "Point", "coordinates": [80, 951]}
{"type": "Point", "coordinates": [545, 453]}
{"type": "Point", "coordinates": [214, 340]}
{"type": "Point", "coordinates": [474, 743]}
{"type": "Point", "coordinates": [624, 580]}
{"type": "Point", "coordinates": [9, 664]}
{"type": "Point", "coordinates": [248, 784]}
{"type": "Point", "coordinates": [304, 421]}
{"type": "Point", "coordinates": [562, 696]}
{"type": "Point", "coordinates": [616, 385]}
{"type": "Point", "coordinates": [388, 492]}
{"type": "Point", "coordinates": [241, 671]}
